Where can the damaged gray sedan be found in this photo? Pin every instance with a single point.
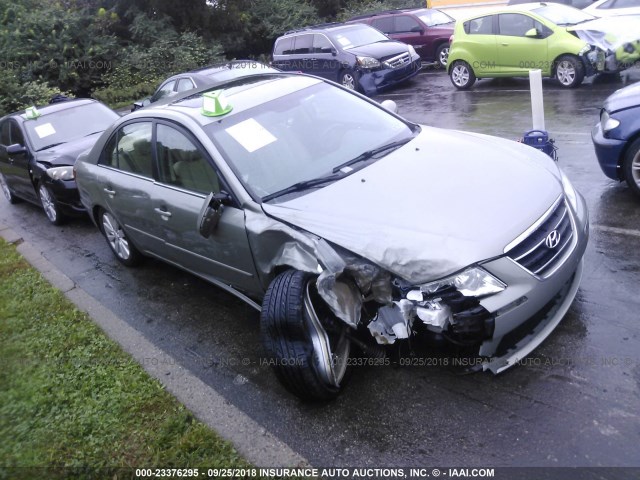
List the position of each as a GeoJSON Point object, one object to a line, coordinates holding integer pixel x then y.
{"type": "Point", "coordinates": [342, 223]}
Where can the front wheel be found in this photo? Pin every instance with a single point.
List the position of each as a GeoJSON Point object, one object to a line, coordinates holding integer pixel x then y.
{"type": "Point", "coordinates": [50, 205]}
{"type": "Point", "coordinates": [631, 167]}
{"type": "Point", "coordinates": [442, 55]}
{"type": "Point", "coordinates": [461, 75]}
{"type": "Point", "coordinates": [307, 345]}
{"type": "Point", "coordinates": [348, 79]}
{"type": "Point", "coordinates": [120, 245]}
{"type": "Point", "coordinates": [569, 71]}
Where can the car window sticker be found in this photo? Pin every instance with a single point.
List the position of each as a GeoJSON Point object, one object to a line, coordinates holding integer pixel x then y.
{"type": "Point", "coordinates": [251, 135]}
{"type": "Point", "coordinates": [345, 42]}
{"type": "Point", "coordinates": [45, 130]}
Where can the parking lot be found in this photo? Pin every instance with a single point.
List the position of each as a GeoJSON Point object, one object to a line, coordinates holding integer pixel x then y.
{"type": "Point", "coordinates": [573, 402]}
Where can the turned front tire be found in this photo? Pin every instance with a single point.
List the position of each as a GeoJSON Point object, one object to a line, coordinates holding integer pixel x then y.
{"type": "Point", "coordinates": [308, 347]}
{"type": "Point", "coordinates": [569, 71]}
{"type": "Point", "coordinates": [50, 205]}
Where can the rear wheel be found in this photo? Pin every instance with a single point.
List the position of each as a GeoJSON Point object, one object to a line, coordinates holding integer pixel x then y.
{"type": "Point", "coordinates": [631, 167]}
{"type": "Point", "coordinates": [442, 54]}
{"type": "Point", "coordinates": [120, 245]}
{"type": "Point", "coordinates": [50, 205]}
{"type": "Point", "coordinates": [461, 75]}
{"type": "Point", "coordinates": [309, 347]}
{"type": "Point", "coordinates": [569, 71]}
{"type": "Point", "coordinates": [7, 191]}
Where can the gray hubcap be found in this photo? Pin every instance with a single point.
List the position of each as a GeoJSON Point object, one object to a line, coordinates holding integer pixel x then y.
{"type": "Point", "coordinates": [115, 236]}
{"type": "Point", "coordinates": [566, 72]}
{"type": "Point", "coordinates": [47, 203]}
{"type": "Point", "coordinates": [460, 75]}
{"type": "Point", "coordinates": [348, 81]}
{"type": "Point", "coordinates": [331, 363]}
{"type": "Point", "coordinates": [635, 168]}
{"type": "Point", "coordinates": [5, 187]}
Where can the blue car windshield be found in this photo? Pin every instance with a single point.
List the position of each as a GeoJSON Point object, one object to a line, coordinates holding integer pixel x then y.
{"type": "Point", "coordinates": [304, 136]}
{"type": "Point", "coordinates": [355, 36]}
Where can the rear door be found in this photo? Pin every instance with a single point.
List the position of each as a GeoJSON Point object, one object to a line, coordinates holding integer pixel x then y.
{"type": "Point", "coordinates": [479, 45]}
{"type": "Point", "coordinates": [127, 180]}
{"type": "Point", "coordinates": [186, 176]}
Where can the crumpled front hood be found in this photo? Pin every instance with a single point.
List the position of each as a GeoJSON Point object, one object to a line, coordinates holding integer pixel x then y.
{"type": "Point", "coordinates": [444, 201]}
{"type": "Point", "coordinates": [610, 33]}
{"type": "Point", "coordinates": [67, 153]}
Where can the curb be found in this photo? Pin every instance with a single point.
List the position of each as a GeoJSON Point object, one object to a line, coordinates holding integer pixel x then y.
{"type": "Point", "coordinates": [251, 440]}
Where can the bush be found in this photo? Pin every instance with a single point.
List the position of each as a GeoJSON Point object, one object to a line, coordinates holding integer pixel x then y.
{"type": "Point", "coordinates": [362, 7]}
{"type": "Point", "coordinates": [17, 96]}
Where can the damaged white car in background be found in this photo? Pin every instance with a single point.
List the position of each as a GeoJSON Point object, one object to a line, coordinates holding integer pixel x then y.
{"type": "Point", "coordinates": [342, 223]}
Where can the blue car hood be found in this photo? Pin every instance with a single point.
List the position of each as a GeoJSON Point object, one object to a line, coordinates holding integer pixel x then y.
{"type": "Point", "coordinates": [627, 97]}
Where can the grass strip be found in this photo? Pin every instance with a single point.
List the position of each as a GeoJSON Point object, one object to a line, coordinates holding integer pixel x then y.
{"type": "Point", "coordinates": [70, 398]}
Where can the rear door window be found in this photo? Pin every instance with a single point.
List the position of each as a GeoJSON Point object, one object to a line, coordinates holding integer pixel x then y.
{"type": "Point", "coordinates": [479, 26]}
{"type": "Point", "coordinates": [130, 150]}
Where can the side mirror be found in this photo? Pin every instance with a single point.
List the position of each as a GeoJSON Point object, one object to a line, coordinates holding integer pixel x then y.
{"type": "Point", "coordinates": [211, 212]}
{"type": "Point", "coordinates": [16, 149]}
{"type": "Point", "coordinates": [390, 105]}
{"type": "Point", "coordinates": [334, 52]}
{"type": "Point", "coordinates": [140, 104]}
{"type": "Point", "coordinates": [417, 29]}
{"type": "Point", "coordinates": [532, 33]}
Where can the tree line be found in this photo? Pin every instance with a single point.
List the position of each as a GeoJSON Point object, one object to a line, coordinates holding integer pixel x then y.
{"type": "Point", "coordinates": [118, 50]}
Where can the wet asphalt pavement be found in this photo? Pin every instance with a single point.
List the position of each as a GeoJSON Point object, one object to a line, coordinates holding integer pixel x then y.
{"type": "Point", "coordinates": [574, 402]}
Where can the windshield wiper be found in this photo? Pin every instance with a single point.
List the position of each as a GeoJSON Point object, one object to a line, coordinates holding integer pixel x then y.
{"type": "Point", "coordinates": [50, 146]}
{"type": "Point", "coordinates": [302, 186]}
{"type": "Point", "coordinates": [372, 153]}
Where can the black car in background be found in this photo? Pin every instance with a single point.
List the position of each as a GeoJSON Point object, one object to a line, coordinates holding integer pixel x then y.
{"type": "Point", "coordinates": [39, 147]}
{"type": "Point", "coordinates": [357, 56]}
{"type": "Point", "coordinates": [183, 82]}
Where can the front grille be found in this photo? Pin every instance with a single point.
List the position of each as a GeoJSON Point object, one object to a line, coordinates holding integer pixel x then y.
{"type": "Point", "coordinates": [398, 61]}
{"type": "Point", "coordinates": [537, 252]}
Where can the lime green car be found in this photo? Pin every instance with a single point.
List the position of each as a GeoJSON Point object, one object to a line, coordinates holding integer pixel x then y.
{"type": "Point", "coordinates": [512, 41]}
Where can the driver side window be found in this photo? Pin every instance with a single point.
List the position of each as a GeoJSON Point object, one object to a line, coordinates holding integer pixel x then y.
{"type": "Point", "coordinates": [182, 164]}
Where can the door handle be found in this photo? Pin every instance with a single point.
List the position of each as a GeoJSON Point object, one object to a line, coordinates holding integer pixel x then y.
{"type": "Point", "coordinates": [504, 44]}
{"type": "Point", "coordinates": [110, 192]}
{"type": "Point", "coordinates": [162, 212]}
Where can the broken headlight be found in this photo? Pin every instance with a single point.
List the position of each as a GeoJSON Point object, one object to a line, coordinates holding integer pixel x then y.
{"type": "Point", "coordinates": [473, 282]}
{"type": "Point", "coordinates": [367, 62]}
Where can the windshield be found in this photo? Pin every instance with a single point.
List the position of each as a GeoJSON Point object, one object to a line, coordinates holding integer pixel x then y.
{"type": "Point", "coordinates": [69, 124]}
{"type": "Point", "coordinates": [563, 15]}
{"type": "Point", "coordinates": [356, 36]}
{"type": "Point", "coordinates": [431, 18]}
{"type": "Point", "coordinates": [303, 136]}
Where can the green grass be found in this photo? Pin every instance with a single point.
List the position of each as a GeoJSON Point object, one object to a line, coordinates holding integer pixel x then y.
{"type": "Point", "coordinates": [70, 397]}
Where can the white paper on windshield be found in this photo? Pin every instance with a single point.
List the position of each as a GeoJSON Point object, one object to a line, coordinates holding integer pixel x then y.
{"type": "Point", "coordinates": [251, 135]}
{"type": "Point", "coordinates": [344, 41]}
{"type": "Point", "coordinates": [45, 130]}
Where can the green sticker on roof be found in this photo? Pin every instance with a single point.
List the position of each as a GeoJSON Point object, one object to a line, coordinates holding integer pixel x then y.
{"type": "Point", "coordinates": [214, 104]}
{"type": "Point", "coordinates": [32, 113]}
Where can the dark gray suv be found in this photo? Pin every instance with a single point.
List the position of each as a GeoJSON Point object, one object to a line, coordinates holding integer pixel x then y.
{"type": "Point", "coordinates": [357, 56]}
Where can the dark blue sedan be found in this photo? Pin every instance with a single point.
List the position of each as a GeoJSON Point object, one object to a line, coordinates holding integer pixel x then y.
{"type": "Point", "coordinates": [616, 136]}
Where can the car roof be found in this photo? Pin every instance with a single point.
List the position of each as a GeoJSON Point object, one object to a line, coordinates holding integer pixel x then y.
{"type": "Point", "coordinates": [204, 73]}
{"type": "Point", "coordinates": [242, 94]}
{"type": "Point", "coordinates": [392, 12]}
{"type": "Point", "coordinates": [53, 108]}
{"type": "Point", "coordinates": [327, 27]}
